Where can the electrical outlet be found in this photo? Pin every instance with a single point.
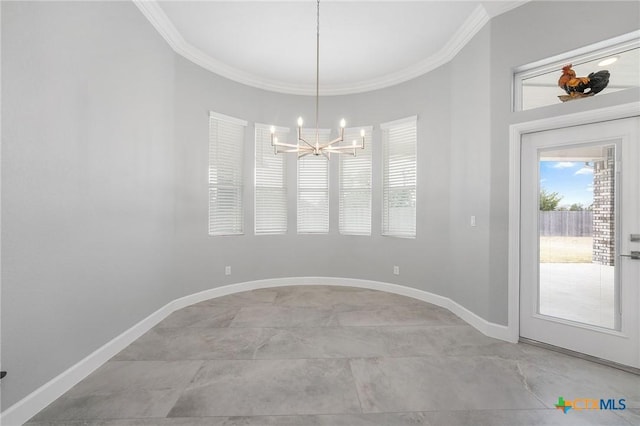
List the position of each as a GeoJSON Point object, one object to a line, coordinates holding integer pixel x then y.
{"type": "Point", "coordinates": [227, 270]}
{"type": "Point", "coordinates": [396, 270]}
{"type": "Point", "coordinates": [473, 221]}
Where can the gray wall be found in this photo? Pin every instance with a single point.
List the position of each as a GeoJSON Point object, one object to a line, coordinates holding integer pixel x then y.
{"type": "Point", "coordinates": [104, 174]}
{"type": "Point", "coordinates": [87, 182]}
{"type": "Point", "coordinates": [202, 258]}
{"type": "Point", "coordinates": [469, 176]}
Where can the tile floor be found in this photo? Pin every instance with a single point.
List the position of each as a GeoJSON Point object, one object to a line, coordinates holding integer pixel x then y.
{"type": "Point", "coordinates": [319, 355]}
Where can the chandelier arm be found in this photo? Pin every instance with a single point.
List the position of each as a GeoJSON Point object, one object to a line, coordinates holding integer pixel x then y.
{"type": "Point", "coordinates": [286, 145]}
{"type": "Point", "coordinates": [340, 151]}
{"type": "Point", "coordinates": [351, 153]}
{"type": "Point", "coordinates": [285, 151]}
{"type": "Point", "coordinates": [342, 147]}
{"type": "Point", "coordinates": [330, 145]}
{"type": "Point", "coordinates": [335, 141]}
{"type": "Point", "coordinates": [303, 140]}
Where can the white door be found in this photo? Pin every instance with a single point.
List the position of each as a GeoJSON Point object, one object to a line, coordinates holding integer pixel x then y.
{"type": "Point", "coordinates": [580, 236]}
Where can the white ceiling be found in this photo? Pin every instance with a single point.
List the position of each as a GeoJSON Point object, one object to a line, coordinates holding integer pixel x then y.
{"type": "Point", "coordinates": [364, 45]}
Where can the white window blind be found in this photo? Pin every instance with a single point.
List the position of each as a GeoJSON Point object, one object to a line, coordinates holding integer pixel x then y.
{"type": "Point", "coordinates": [270, 183]}
{"type": "Point", "coordinates": [313, 188]}
{"type": "Point", "coordinates": [226, 139]}
{"type": "Point", "coordinates": [399, 144]}
{"type": "Point", "coordinates": [355, 185]}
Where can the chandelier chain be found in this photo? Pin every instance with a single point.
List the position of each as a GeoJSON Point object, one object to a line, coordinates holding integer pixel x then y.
{"type": "Point", "coordinates": [317, 68]}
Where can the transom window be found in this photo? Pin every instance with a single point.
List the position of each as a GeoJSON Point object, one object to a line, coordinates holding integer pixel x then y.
{"type": "Point", "coordinates": [536, 84]}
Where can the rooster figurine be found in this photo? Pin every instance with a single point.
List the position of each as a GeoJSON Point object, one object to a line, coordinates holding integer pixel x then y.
{"type": "Point", "coordinates": [576, 86]}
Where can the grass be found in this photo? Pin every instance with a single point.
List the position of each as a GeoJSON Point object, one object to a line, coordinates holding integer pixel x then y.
{"type": "Point", "coordinates": [566, 249]}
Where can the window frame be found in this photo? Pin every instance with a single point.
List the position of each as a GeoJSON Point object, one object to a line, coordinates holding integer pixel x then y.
{"type": "Point", "coordinates": [238, 185]}
{"type": "Point", "coordinates": [354, 132]}
{"type": "Point", "coordinates": [385, 128]}
{"type": "Point", "coordinates": [325, 135]}
{"type": "Point", "coordinates": [281, 133]}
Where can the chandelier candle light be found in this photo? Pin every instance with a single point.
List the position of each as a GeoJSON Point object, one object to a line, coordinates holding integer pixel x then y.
{"type": "Point", "coordinates": [304, 147]}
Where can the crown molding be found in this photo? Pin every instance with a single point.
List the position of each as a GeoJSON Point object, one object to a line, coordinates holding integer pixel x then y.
{"type": "Point", "coordinates": [161, 22]}
{"type": "Point", "coordinates": [500, 7]}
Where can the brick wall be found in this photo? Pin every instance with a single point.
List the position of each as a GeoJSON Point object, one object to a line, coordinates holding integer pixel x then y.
{"type": "Point", "coordinates": [604, 209]}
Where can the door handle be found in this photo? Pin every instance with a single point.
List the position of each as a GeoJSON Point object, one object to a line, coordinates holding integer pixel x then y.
{"type": "Point", "coordinates": [635, 255]}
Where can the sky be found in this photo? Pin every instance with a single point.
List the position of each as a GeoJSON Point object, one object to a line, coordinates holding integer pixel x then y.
{"type": "Point", "coordinates": [573, 180]}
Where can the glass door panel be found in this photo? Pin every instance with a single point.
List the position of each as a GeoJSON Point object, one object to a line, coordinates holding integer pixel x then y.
{"type": "Point", "coordinates": [576, 234]}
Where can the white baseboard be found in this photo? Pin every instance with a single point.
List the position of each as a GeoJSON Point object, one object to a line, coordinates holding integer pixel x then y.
{"type": "Point", "coordinates": [29, 406]}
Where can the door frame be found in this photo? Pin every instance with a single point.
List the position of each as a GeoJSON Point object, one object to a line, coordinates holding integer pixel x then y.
{"type": "Point", "coordinates": [515, 147]}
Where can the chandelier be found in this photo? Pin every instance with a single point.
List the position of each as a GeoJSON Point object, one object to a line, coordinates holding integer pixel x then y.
{"type": "Point", "coordinates": [305, 147]}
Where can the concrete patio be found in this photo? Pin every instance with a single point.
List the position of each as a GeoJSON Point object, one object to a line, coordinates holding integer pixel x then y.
{"type": "Point", "coordinates": [582, 292]}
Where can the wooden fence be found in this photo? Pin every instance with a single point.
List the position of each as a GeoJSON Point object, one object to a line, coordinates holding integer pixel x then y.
{"type": "Point", "coordinates": [566, 223]}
